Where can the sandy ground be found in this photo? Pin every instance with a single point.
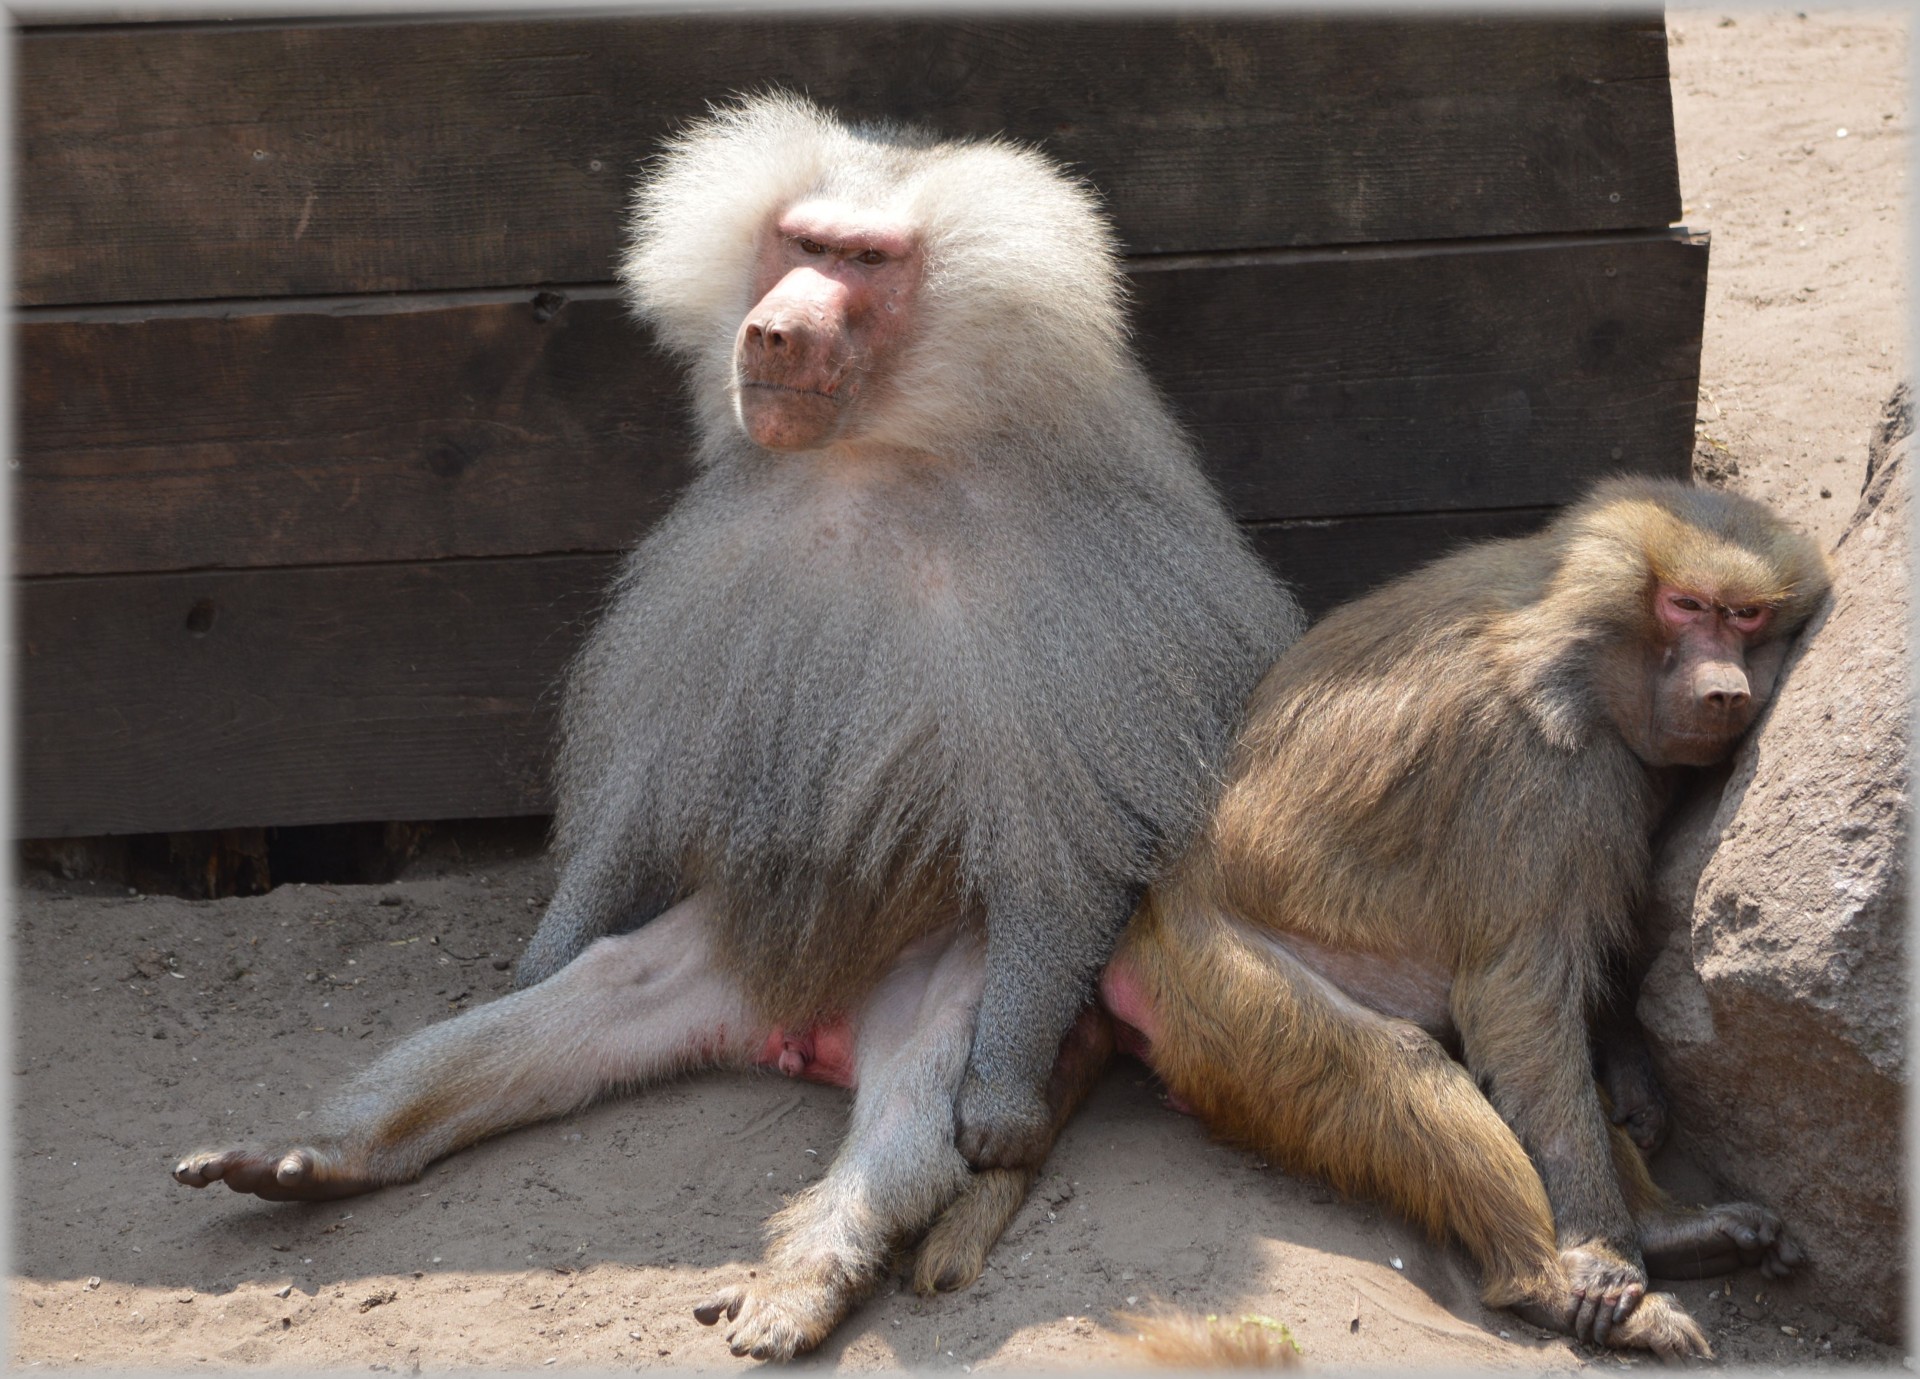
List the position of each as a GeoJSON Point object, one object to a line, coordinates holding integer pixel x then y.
{"type": "Point", "coordinates": [587, 1241]}
{"type": "Point", "coordinates": [147, 1025]}
{"type": "Point", "coordinates": [1793, 144]}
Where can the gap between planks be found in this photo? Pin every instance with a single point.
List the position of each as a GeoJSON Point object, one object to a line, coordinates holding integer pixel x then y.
{"type": "Point", "coordinates": [395, 303]}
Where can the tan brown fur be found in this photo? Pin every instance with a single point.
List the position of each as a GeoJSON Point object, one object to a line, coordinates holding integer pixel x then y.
{"type": "Point", "coordinates": [1456, 769]}
{"type": "Point", "coordinates": [1441, 1156]}
{"type": "Point", "coordinates": [954, 1251]}
{"type": "Point", "coordinates": [1456, 772]}
{"type": "Point", "coordinates": [1171, 1339]}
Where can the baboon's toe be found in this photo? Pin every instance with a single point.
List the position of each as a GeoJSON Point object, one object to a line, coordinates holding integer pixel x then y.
{"type": "Point", "coordinates": [1604, 1290]}
{"type": "Point", "coordinates": [775, 1321]}
{"type": "Point", "coordinates": [1761, 1237]}
{"type": "Point", "coordinates": [296, 1175]}
{"type": "Point", "coordinates": [944, 1276]}
{"type": "Point", "coordinates": [725, 1303]}
{"type": "Point", "coordinates": [951, 1256]}
{"type": "Point", "coordinates": [1784, 1255]}
{"type": "Point", "coordinates": [200, 1168]}
{"type": "Point", "coordinates": [938, 1268]}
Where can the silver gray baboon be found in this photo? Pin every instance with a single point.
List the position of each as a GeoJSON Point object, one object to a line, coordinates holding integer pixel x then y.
{"type": "Point", "coordinates": [888, 724]}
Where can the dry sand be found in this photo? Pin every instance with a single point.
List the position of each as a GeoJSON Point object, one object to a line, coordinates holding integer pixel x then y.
{"type": "Point", "coordinates": [1793, 152]}
{"type": "Point", "coordinates": [147, 1025]}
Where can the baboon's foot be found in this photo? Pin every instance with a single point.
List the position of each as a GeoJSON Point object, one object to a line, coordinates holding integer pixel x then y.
{"type": "Point", "coordinates": [780, 1316]}
{"type": "Point", "coordinates": [946, 1263]}
{"type": "Point", "coordinates": [1661, 1324]}
{"type": "Point", "coordinates": [306, 1174]}
{"type": "Point", "coordinates": [1603, 1290]}
{"type": "Point", "coordinates": [954, 1252]}
{"type": "Point", "coordinates": [1001, 1127]}
{"type": "Point", "coordinates": [1718, 1240]}
{"type": "Point", "coordinates": [1658, 1324]}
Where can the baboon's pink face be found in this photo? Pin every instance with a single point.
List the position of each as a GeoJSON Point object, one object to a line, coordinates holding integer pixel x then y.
{"type": "Point", "coordinates": [835, 289]}
{"type": "Point", "coordinates": [1709, 671]}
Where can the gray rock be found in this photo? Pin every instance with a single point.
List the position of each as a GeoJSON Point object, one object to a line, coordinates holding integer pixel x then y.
{"type": "Point", "coordinates": [1776, 1002]}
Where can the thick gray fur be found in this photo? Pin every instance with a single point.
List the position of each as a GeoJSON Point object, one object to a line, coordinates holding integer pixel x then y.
{"type": "Point", "coordinates": [1014, 660]}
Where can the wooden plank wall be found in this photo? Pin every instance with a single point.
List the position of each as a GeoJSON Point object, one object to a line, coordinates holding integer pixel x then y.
{"type": "Point", "coordinates": [330, 420]}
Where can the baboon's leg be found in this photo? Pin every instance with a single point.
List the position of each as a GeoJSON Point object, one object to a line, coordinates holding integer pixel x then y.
{"type": "Point", "coordinates": [1272, 1056]}
{"type": "Point", "coordinates": [602, 889]}
{"type": "Point", "coordinates": [1002, 1118]}
{"type": "Point", "coordinates": [896, 1170]}
{"type": "Point", "coordinates": [955, 1250]}
{"type": "Point", "coordinates": [633, 1007]}
{"type": "Point", "coordinates": [1699, 1242]}
{"type": "Point", "coordinates": [1524, 1036]}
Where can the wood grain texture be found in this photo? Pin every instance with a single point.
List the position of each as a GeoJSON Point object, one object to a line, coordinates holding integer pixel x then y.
{"type": "Point", "coordinates": [152, 703]}
{"type": "Point", "coordinates": [1318, 384]}
{"type": "Point", "coordinates": [304, 437]}
{"type": "Point", "coordinates": [174, 702]}
{"type": "Point", "coordinates": [221, 161]}
{"type": "Point", "coordinates": [1471, 376]}
{"type": "Point", "coordinates": [1328, 563]}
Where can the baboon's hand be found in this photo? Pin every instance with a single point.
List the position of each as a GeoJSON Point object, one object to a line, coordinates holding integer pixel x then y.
{"type": "Point", "coordinates": [1659, 1324]}
{"type": "Point", "coordinates": [1605, 1288]}
{"type": "Point", "coordinates": [1001, 1127]}
{"type": "Point", "coordinates": [1717, 1240]}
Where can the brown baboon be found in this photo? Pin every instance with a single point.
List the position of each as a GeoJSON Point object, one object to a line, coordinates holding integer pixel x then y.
{"type": "Point", "coordinates": [1434, 833]}
{"type": "Point", "coordinates": [888, 724]}
{"type": "Point", "coordinates": [1432, 838]}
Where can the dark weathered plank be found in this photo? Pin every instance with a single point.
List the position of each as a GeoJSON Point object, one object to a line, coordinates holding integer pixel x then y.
{"type": "Point", "coordinates": [1327, 563]}
{"type": "Point", "coordinates": [1487, 376]}
{"type": "Point", "coordinates": [217, 700]}
{"type": "Point", "coordinates": [335, 437]}
{"type": "Point", "coordinates": [152, 703]}
{"type": "Point", "coordinates": [60, 14]}
{"type": "Point", "coordinates": [261, 160]}
{"type": "Point", "coordinates": [1318, 385]}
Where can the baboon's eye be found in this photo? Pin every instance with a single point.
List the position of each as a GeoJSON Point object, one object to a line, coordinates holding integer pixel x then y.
{"type": "Point", "coordinates": [1690, 605]}
{"type": "Point", "coordinates": [871, 256]}
{"type": "Point", "coordinates": [1750, 619]}
{"type": "Point", "coordinates": [810, 246]}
